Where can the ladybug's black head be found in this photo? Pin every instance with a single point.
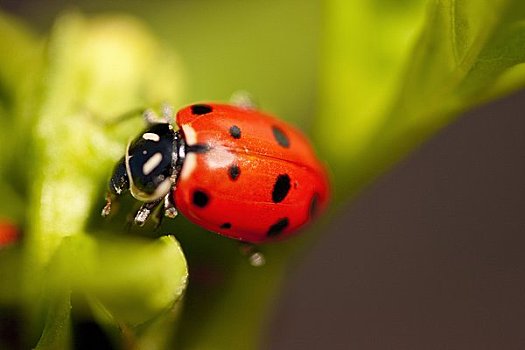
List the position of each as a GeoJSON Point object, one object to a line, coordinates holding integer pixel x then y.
{"type": "Point", "coordinates": [151, 164]}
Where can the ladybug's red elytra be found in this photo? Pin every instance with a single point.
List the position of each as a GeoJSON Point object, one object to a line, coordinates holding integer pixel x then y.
{"type": "Point", "coordinates": [230, 169]}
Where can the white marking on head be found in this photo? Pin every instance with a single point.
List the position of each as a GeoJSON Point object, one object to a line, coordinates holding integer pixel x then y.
{"type": "Point", "coordinates": [162, 189]}
{"type": "Point", "coordinates": [189, 135]}
{"type": "Point", "coordinates": [151, 137]}
{"type": "Point", "coordinates": [190, 163]}
{"type": "Point", "coordinates": [152, 163]}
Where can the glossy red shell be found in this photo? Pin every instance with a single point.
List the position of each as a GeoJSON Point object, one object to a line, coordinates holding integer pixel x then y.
{"type": "Point", "coordinates": [252, 178]}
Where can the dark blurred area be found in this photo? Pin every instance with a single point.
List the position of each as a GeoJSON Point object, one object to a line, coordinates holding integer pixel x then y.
{"type": "Point", "coordinates": [429, 257]}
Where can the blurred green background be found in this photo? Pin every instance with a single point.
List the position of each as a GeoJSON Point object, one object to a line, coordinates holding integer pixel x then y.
{"type": "Point", "coordinates": [367, 80]}
{"type": "Point", "coordinates": [269, 48]}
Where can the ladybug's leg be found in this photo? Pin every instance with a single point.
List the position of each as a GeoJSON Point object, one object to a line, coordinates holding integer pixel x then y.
{"type": "Point", "coordinates": [118, 184]}
{"type": "Point", "coordinates": [121, 118]}
{"type": "Point", "coordinates": [150, 117]}
{"type": "Point", "coordinates": [169, 206]}
{"type": "Point", "coordinates": [167, 113]}
{"type": "Point", "coordinates": [255, 257]}
{"type": "Point", "coordinates": [110, 199]}
{"type": "Point", "coordinates": [146, 210]}
{"type": "Point", "coordinates": [243, 99]}
{"type": "Point", "coordinates": [157, 214]}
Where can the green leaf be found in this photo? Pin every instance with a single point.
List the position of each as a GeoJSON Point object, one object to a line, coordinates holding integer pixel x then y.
{"type": "Point", "coordinates": [131, 285]}
{"type": "Point", "coordinates": [20, 64]}
{"type": "Point", "coordinates": [378, 104]}
{"type": "Point", "coordinates": [56, 333]}
{"type": "Point", "coordinates": [20, 55]}
{"type": "Point", "coordinates": [10, 275]}
{"type": "Point", "coordinates": [90, 72]}
{"type": "Point", "coordinates": [135, 281]}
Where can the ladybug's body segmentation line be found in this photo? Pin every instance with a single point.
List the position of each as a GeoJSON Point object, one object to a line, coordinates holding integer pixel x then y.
{"type": "Point", "coordinates": [232, 170]}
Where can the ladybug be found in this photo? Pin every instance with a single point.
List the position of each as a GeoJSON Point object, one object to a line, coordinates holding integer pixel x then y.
{"type": "Point", "coordinates": [230, 169]}
{"type": "Point", "coordinates": [9, 233]}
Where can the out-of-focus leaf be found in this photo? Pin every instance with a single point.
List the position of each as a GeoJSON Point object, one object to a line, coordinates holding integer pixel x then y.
{"type": "Point", "coordinates": [132, 285]}
{"type": "Point", "coordinates": [96, 70]}
{"type": "Point", "coordinates": [90, 73]}
{"type": "Point", "coordinates": [135, 281]}
{"type": "Point", "coordinates": [56, 333]}
{"type": "Point", "coordinates": [19, 54]}
{"type": "Point", "coordinates": [20, 63]}
{"type": "Point", "coordinates": [366, 45]}
{"type": "Point", "coordinates": [467, 53]}
{"type": "Point", "coordinates": [10, 275]}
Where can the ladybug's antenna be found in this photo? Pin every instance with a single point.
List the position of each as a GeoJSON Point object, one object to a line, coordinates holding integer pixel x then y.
{"type": "Point", "coordinates": [243, 99]}
{"type": "Point", "coordinates": [167, 115]}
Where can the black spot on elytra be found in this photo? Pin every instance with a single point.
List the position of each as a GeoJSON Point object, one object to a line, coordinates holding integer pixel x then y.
{"type": "Point", "coordinates": [197, 148]}
{"type": "Point", "coordinates": [200, 109]}
{"type": "Point", "coordinates": [280, 137]}
{"type": "Point", "coordinates": [234, 172]}
{"type": "Point", "coordinates": [314, 206]}
{"type": "Point", "coordinates": [278, 227]}
{"type": "Point", "coordinates": [281, 187]}
{"type": "Point", "coordinates": [226, 225]}
{"type": "Point", "coordinates": [200, 198]}
{"type": "Point", "coordinates": [235, 132]}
